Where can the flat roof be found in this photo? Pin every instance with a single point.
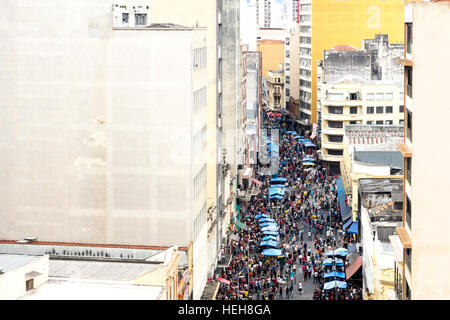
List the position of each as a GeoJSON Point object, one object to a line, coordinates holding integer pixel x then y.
{"type": "Point", "coordinates": [381, 185]}
{"type": "Point", "coordinates": [82, 290]}
{"type": "Point", "coordinates": [387, 158]}
{"type": "Point", "coordinates": [99, 270]}
{"type": "Point", "coordinates": [9, 262]}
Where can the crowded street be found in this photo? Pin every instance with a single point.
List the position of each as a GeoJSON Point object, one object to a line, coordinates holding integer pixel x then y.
{"type": "Point", "coordinates": [292, 246]}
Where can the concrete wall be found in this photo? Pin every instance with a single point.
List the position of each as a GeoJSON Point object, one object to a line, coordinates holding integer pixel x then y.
{"type": "Point", "coordinates": [90, 152]}
{"type": "Point", "coordinates": [429, 186]}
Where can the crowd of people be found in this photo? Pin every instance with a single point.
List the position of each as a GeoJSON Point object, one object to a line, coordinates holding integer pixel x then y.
{"type": "Point", "coordinates": [309, 223]}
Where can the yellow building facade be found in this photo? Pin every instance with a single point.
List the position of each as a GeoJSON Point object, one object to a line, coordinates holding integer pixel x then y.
{"type": "Point", "coordinates": [272, 52]}
{"type": "Point", "coordinates": [329, 23]}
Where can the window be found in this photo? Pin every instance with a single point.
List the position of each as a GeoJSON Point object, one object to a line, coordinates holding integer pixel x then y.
{"type": "Point", "coordinates": [335, 124]}
{"type": "Point", "coordinates": [29, 284]}
{"type": "Point", "coordinates": [333, 138]}
{"type": "Point", "coordinates": [401, 121]}
{"type": "Point", "coordinates": [352, 122]}
{"type": "Point", "coordinates": [402, 95]}
{"type": "Point", "coordinates": [141, 19]}
{"type": "Point", "coordinates": [333, 152]}
{"type": "Point", "coordinates": [408, 71]}
{"type": "Point", "coordinates": [353, 110]}
{"type": "Point", "coordinates": [353, 96]}
{"type": "Point", "coordinates": [287, 54]}
{"type": "Point", "coordinates": [369, 122]}
{"type": "Point", "coordinates": [389, 122]}
{"type": "Point", "coordinates": [370, 96]}
{"type": "Point", "coordinates": [408, 171]}
{"type": "Point", "coordinates": [335, 110]}
{"type": "Point", "coordinates": [379, 122]}
{"type": "Point", "coordinates": [401, 109]}
{"type": "Point", "coordinates": [379, 109]}
{"type": "Point", "coordinates": [125, 17]}
{"type": "Point", "coordinates": [370, 110]}
{"type": "Point", "coordinates": [409, 125]}
{"type": "Point", "coordinates": [388, 109]}
{"type": "Point", "coordinates": [380, 96]}
{"type": "Point", "coordinates": [409, 38]}
{"type": "Point", "coordinates": [336, 96]}
{"type": "Point", "coordinates": [389, 96]}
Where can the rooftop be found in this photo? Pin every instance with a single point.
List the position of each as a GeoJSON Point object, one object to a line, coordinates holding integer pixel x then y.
{"type": "Point", "coordinates": [10, 262]}
{"type": "Point", "coordinates": [344, 47]}
{"type": "Point", "coordinates": [85, 290]}
{"type": "Point", "coordinates": [387, 158]}
{"type": "Point", "coordinates": [380, 185]}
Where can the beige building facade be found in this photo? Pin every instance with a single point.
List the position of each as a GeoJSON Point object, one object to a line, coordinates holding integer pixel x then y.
{"type": "Point", "coordinates": [275, 88]}
{"type": "Point", "coordinates": [424, 237]}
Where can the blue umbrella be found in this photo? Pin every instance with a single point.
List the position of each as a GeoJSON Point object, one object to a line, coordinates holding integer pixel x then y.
{"type": "Point", "coordinates": [279, 179]}
{"type": "Point", "coordinates": [341, 252]}
{"type": "Point", "coordinates": [271, 252]}
{"type": "Point", "coordinates": [278, 186]}
{"type": "Point", "coordinates": [269, 243]}
{"type": "Point", "coordinates": [270, 233]}
{"type": "Point", "coordinates": [334, 274]}
{"type": "Point", "coordinates": [334, 284]}
{"type": "Point", "coordinates": [328, 262]}
{"type": "Point", "coordinates": [270, 228]}
{"type": "Point", "coordinates": [259, 216]}
{"type": "Point", "coordinates": [269, 238]}
{"type": "Point", "coordinates": [266, 224]}
{"type": "Point", "coordinates": [267, 220]}
{"type": "Point", "coordinates": [276, 197]}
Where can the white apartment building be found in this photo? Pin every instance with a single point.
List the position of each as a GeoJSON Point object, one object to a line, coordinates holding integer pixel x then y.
{"type": "Point", "coordinates": [358, 87]}
{"type": "Point", "coordinates": [103, 128]}
{"type": "Point", "coordinates": [305, 19]}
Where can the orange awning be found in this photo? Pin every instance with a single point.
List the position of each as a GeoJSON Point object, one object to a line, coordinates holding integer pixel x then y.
{"type": "Point", "coordinates": [351, 269]}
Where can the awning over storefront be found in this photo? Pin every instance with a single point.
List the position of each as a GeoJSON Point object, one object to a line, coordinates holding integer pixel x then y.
{"type": "Point", "coordinates": [353, 228]}
{"type": "Point", "coordinates": [347, 224]}
{"type": "Point", "coordinates": [351, 269]}
{"type": "Point", "coordinates": [224, 280]}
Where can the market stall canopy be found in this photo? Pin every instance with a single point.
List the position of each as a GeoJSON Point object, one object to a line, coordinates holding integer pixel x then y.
{"type": "Point", "coordinates": [271, 252]}
{"type": "Point", "coordinates": [270, 228]}
{"type": "Point", "coordinates": [259, 216]}
{"type": "Point", "coordinates": [279, 179]}
{"type": "Point", "coordinates": [267, 220]}
{"type": "Point", "coordinates": [276, 197]}
{"type": "Point", "coordinates": [270, 233]}
{"type": "Point", "coordinates": [269, 238]}
{"type": "Point", "coordinates": [270, 243]}
{"type": "Point", "coordinates": [308, 164]}
{"type": "Point", "coordinates": [265, 224]}
{"type": "Point", "coordinates": [330, 262]}
{"type": "Point", "coordinates": [334, 284]}
{"type": "Point", "coordinates": [334, 274]}
{"type": "Point", "coordinates": [341, 252]}
{"type": "Point", "coordinates": [291, 132]}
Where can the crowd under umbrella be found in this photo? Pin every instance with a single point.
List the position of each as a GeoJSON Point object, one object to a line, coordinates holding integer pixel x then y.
{"type": "Point", "coordinates": [269, 238]}
{"type": "Point", "coordinates": [330, 262]}
{"type": "Point", "coordinates": [334, 274]}
{"type": "Point", "coordinates": [269, 243]}
{"type": "Point", "coordinates": [266, 220]}
{"type": "Point", "coordinates": [267, 224]}
{"type": "Point", "coordinates": [269, 233]}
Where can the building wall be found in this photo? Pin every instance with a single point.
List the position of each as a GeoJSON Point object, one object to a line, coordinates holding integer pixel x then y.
{"type": "Point", "coordinates": [12, 283]}
{"type": "Point", "coordinates": [349, 22]}
{"type": "Point", "coordinates": [93, 158]}
{"type": "Point", "coordinates": [272, 54]}
{"type": "Point", "coordinates": [430, 239]}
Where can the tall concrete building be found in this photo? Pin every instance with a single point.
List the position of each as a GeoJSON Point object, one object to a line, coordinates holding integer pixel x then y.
{"type": "Point", "coordinates": [423, 239]}
{"type": "Point", "coordinates": [328, 23]}
{"type": "Point", "coordinates": [105, 124]}
{"type": "Point", "coordinates": [223, 59]}
{"type": "Point", "coordinates": [248, 23]}
{"type": "Point", "coordinates": [358, 87]}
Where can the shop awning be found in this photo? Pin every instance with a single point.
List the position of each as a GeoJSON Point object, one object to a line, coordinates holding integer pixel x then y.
{"type": "Point", "coordinates": [346, 213]}
{"type": "Point", "coordinates": [353, 228]}
{"type": "Point", "coordinates": [351, 269]}
{"type": "Point", "coordinates": [227, 282]}
{"type": "Point", "coordinates": [347, 224]}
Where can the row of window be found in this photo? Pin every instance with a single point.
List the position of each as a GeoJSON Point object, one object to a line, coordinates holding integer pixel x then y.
{"type": "Point", "coordinates": [385, 122]}
{"type": "Point", "coordinates": [200, 58]}
{"type": "Point", "coordinates": [305, 29]}
{"type": "Point", "coordinates": [340, 124]}
{"type": "Point", "coordinates": [200, 181]}
{"type": "Point", "coordinates": [199, 221]}
{"type": "Point", "coordinates": [380, 96]}
{"type": "Point", "coordinates": [306, 40]}
{"type": "Point", "coordinates": [199, 141]}
{"type": "Point", "coordinates": [199, 99]}
{"type": "Point", "coordinates": [381, 109]}
{"type": "Point", "coordinates": [305, 51]}
{"type": "Point", "coordinates": [305, 63]}
{"type": "Point", "coordinates": [305, 83]}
